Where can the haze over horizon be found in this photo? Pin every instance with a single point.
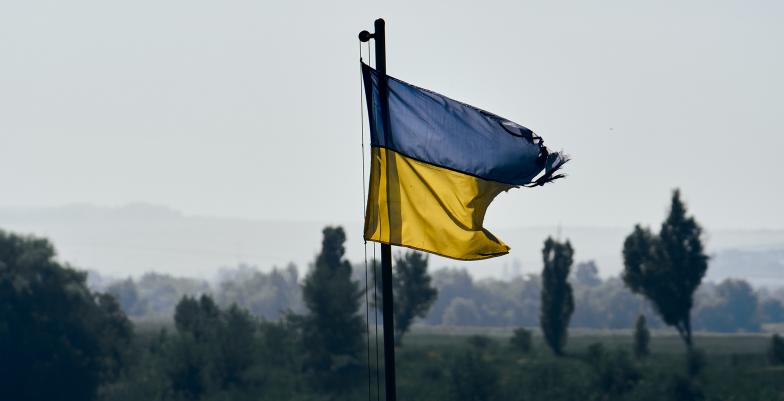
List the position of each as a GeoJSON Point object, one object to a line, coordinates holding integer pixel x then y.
{"type": "Point", "coordinates": [137, 238]}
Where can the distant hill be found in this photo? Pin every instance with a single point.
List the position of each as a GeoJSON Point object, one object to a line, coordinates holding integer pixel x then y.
{"type": "Point", "coordinates": [137, 238]}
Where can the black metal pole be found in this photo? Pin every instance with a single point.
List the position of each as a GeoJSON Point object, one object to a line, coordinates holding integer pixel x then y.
{"type": "Point", "coordinates": [386, 250]}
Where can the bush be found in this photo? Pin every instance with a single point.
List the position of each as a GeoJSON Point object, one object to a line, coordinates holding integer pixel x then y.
{"type": "Point", "coordinates": [695, 362]}
{"type": "Point", "coordinates": [776, 350]}
{"type": "Point", "coordinates": [642, 338]}
{"type": "Point", "coordinates": [472, 378]}
{"type": "Point", "coordinates": [479, 342]}
{"type": "Point", "coordinates": [595, 352]}
{"type": "Point", "coordinates": [684, 389]}
{"type": "Point", "coordinates": [616, 374]}
{"type": "Point", "coordinates": [521, 340]}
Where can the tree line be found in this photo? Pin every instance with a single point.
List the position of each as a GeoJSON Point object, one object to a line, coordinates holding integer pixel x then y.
{"type": "Point", "coordinates": [60, 340]}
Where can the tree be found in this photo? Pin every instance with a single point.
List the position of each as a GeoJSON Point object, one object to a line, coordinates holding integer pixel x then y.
{"type": "Point", "coordinates": [214, 349]}
{"type": "Point", "coordinates": [58, 340]}
{"type": "Point", "coordinates": [557, 300]}
{"type": "Point", "coordinates": [587, 274]}
{"type": "Point", "coordinates": [776, 350]}
{"type": "Point", "coordinates": [413, 293]}
{"type": "Point", "coordinates": [332, 329]}
{"type": "Point", "coordinates": [127, 296]}
{"type": "Point", "coordinates": [642, 338]}
{"type": "Point", "coordinates": [471, 378]}
{"type": "Point", "coordinates": [736, 309]}
{"type": "Point", "coordinates": [521, 340]}
{"type": "Point", "coordinates": [771, 311]}
{"type": "Point", "coordinates": [198, 317]}
{"type": "Point", "coordinates": [667, 268]}
{"type": "Point", "coordinates": [461, 312]}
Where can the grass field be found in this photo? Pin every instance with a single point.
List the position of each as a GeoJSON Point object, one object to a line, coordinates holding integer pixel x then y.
{"type": "Point", "coordinates": [479, 364]}
{"type": "Point", "coordinates": [732, 367]}
{"type": "Point", "coordinates": [663, 341]}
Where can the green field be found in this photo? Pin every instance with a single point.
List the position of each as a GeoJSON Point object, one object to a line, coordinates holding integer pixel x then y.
{"type": "Point", "coordinates": [735, 367]}
{"type": "Point", "coordinates": [662, 342]}
{"type": "Point", "coordinates": [476, 364]}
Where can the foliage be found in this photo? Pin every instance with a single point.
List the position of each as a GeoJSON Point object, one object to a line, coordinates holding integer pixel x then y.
{"type": "Point", "coordinates": [616, 374]}
{"type": "Point", "coordinates": [479, 342]}
{"type": "Point", "coordinates": [771, 311]}
{"type": "Point", "coordinates": [695, 361]}
{"type": "Point", "coordinates": [642, 338]}
{"type": "Point", "coordinates": [735, 309]}
{"type": "Point", "coordinates": [557, 300]}
{"type": "Point", "coordinates": [268, 295]}
{"type": "Point", "coordinates": [521, 340]}
{"type": "Point", "coordinates": [332, 329]}
{"type": "Point", "coordinates": [58, 340]}
{"type": "Point", "coordinates": [214, 348]}
{"type": "Point", "coordinates": [471, 378]}
{"type": "Point", "coordinates": [587, 274]}
{"type": "Point", "coordinates": [462, 311]}
{"type": "Point", "coordinates": [776, 350]}
{"type": "Point", "coordinates": [413, 292]}
{"type": "Point", "coordinates": [667, 268]}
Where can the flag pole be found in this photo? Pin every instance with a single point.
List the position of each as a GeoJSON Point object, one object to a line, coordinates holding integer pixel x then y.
{"type": "Point", "coordinates": [386, 250]}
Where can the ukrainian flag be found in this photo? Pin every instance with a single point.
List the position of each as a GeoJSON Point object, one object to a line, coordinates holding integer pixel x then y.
{"type": "Point", "coordinates": [436, 164]}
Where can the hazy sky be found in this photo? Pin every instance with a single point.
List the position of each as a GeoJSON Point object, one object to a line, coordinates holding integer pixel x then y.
{"type": "Point", "coordinates": [251, 108]}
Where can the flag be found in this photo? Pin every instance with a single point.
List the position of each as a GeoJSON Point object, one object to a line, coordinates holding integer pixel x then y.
{"type": "Point", "coordinates": [436, 165]}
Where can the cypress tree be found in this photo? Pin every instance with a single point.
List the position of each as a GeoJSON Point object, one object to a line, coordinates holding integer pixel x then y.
{"type": "Point", "coordinates": [332, 330]}
{"type": "Point", "coordinates": [557, 299]}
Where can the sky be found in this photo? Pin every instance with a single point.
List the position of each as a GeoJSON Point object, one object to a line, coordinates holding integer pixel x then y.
{"type": "Point", "coordinates": [252, 108]}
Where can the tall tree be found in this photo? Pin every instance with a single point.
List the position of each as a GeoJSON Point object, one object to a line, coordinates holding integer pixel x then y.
{"type": "Point", "coordinates": [332, 330]}
{"type": "Point", "coordinates": [557, 299]}
{"type": "Point", "coordinates": [667, 268]}
{"type": "Point", "coordinates": [214, 348]}
{"type": "Point", "coordinates": [413, 291]}
{"type": "Point", "coordinates": [642, 338]}
{"type": "Point", "coordinates": [58, 340]}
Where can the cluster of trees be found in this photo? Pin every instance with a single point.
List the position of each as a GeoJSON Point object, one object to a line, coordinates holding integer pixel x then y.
{"type": "Point", "coordinates": [58, 339]}
{"type": "Point", "coordinates": [274, 336]}
{"type": "Point", "coordinates": [611, 303]}
{"type": "Point", "coordinates": [729, 306]}
{"type": "Point", "coordinates": [61, 341]}
{"type": "Point", "coordinates": [662, 280]}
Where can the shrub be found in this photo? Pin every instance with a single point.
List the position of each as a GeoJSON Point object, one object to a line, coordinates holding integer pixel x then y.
{"type": "Point", "coordinates": [776, 350]}
{"type": "Point", "coordinates": [642, 338]}
{"type": "Point", "coordinates": [521, 340]}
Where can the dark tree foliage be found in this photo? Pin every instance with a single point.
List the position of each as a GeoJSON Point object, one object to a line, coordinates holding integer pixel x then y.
{"type": "Point", "coordinates": [479, 341]}
{"type": "Point", "coordinates": [413, 292]}
{"type": "Point", "coordinates": [776, 350]}
{"type": "Point", "coordinates": [557, 300]}
{"type": "Point", "coordinates": [198, 317]}
{"type": "Point", "coordinates": [58, 340]}
{"type": "Point", "coordinates": [667, 268]}
{"type": "Point", "coordinates": [332, 330]}
{"type": "Point", "coordinates": [642, 338]}
{"type": "Point", "coordinates": [471, 378]}
{"type": "Point", "coordinates": [616, 374]}
{"type": "Point", "coordinates": [521, 340]}
{"type": "Point", "coordinates": [214, 348]}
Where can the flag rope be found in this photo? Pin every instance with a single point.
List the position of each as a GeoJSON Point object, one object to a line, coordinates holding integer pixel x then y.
{"type": "Point", "coordinates": [373, 262]}
{"type": "Point", "coordinates": [367, 303]}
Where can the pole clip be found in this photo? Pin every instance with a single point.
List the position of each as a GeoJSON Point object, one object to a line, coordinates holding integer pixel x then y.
{"type": "Point", "coordinates": [365, 36]}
